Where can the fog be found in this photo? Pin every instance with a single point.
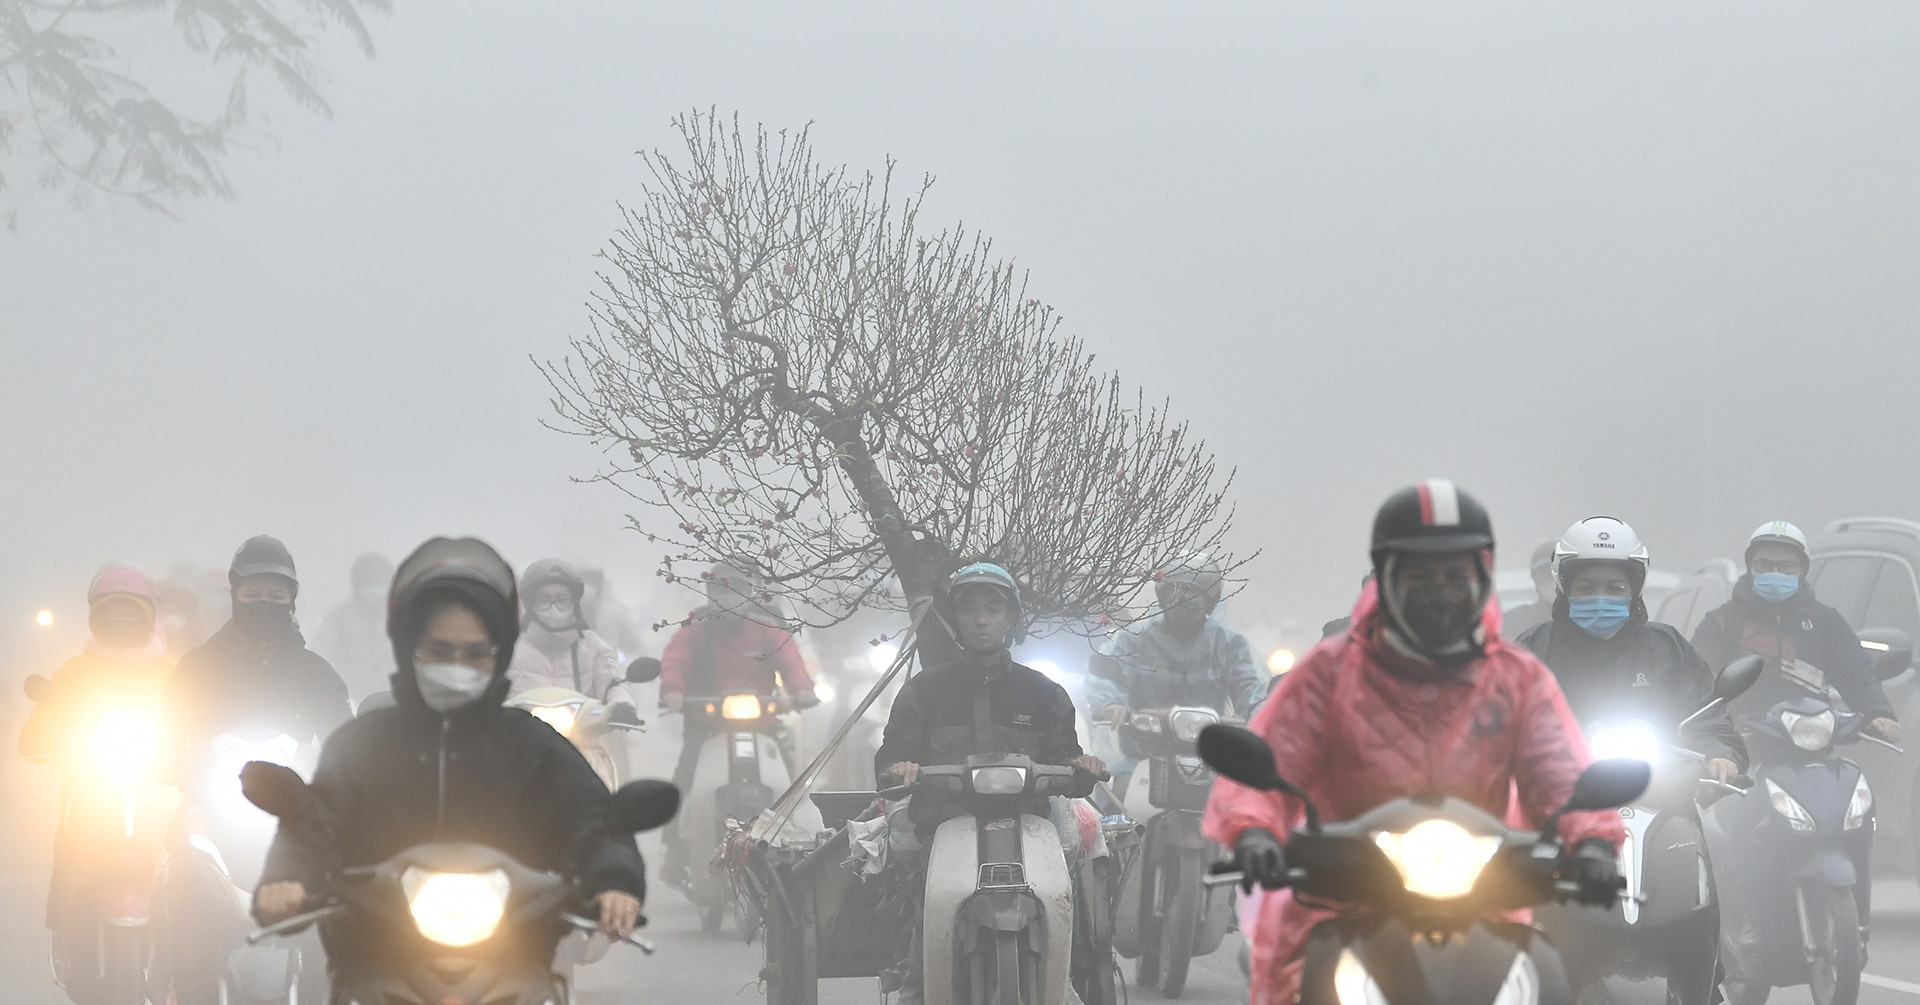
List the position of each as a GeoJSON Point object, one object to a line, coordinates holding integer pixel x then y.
{"type": "Point", "coordinates": [1657, 261]}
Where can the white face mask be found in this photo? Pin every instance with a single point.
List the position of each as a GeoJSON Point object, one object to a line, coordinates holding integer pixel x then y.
{"type": "Point", "coordinates": [450, 686]}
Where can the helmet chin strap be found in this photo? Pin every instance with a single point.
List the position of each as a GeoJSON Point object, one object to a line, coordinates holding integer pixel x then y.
{"type": "Point", "coordinates": [1402, 637]}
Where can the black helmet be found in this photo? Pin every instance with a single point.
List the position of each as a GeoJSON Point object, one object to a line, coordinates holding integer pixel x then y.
{"type": "Point", "coordinates": [262, 556]}
{"type": "Point", "coordinates": [1433, 517]}
{"type": "Point", "coordinates": [466, 569]}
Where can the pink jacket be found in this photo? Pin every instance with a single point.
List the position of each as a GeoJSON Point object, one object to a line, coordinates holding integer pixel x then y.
{"type": "Point", "coordinates": [1353, 728]}
{"type": "Point", "coordinates": [574, 659]}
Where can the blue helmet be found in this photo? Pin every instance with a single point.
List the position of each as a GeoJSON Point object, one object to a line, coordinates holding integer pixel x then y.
{"type": "Point", "coordinates": [988, 573]}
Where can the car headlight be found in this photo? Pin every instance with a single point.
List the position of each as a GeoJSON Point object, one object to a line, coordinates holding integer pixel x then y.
{"type": "Point", "coordinates": [1437, 858]}
{"type": "Point", "coordinates": [456, 908]}
{"type": "Point", "coordinates": [1188, 722]}
{"type": "Point", "coordinates": [1000, 780]}
{"type": "Point", "coordinates": [1352, 985]}
{"type": "Point", "coordinates": [740, 706]}
{"type": "Point", "coordinates": [126, 744]}
{"type": "Point", "coordinates": [1146, 723]}
{"type": "Point", "coordinates": [1632, 740]}
{"type": "Point", "coordinates": [560, 717]}
{"type": "Point", "coordinates": [1809, 732]}
{"type": "Point", "coordinates": [1860, 805]}
{"type": "Point", "coordinates": [1797, 816]}
{"type": "Point", "coordinates": [1522, 986]}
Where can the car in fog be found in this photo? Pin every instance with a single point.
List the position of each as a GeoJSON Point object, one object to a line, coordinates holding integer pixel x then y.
{"type": "Point", "coordinates": [1704, 589]}
{"type": "Point", "coordinates": [1863, 567]}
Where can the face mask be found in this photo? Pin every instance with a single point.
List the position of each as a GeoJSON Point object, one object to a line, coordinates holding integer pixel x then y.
{"type": "Point", "coordinates": [554, 617]}
{"type": "Point", "coordinates": [262, 618]}
{"type": "Point", "coordinates": [1601, 616]}
{"type": "Point", "coordinates": [449, 686]}
{"type": "Point", "coordinates": [1438, 617]}
{"type": "Point", "coordinates": [1775, 586]}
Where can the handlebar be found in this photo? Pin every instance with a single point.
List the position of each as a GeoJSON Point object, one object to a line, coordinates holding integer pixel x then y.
{"type": "Point", "coordinates": [1870, 738]}
{"type": "Point", "coordinates": [295, 923]}
{"type": "Point", "coordinates": [586, 924]}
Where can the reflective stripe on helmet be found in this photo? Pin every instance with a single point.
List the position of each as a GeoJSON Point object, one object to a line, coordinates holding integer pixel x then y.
{"type": "Point", "coordinates": [1439, 503]}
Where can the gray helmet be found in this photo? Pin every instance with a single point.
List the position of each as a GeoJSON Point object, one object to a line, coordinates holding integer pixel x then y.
{"type": "Point", "coordinates": [1198, 572]}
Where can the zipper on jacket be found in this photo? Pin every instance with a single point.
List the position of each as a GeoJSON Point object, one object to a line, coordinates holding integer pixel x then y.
{"type": "Point", "coordinates": [440, 813]}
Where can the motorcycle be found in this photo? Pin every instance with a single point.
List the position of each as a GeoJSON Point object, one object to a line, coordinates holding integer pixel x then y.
{"type": "Point", "coordinates": [1165, 915]}
{"type": "Point", "coordinates": [1815, 834]}
{"type": "Point", "coordinates": [1427, 878]}
{"type": "Point", "coordinates": [111, 837]}
{"type": "Point", "coordinates": [1660, 942]}
{"type": "Point", "coordinates": [460, 923]}
{"type": "Point", "coordinates": [740, 772]}
{"type": "Point", "coordinates": [997, 922]}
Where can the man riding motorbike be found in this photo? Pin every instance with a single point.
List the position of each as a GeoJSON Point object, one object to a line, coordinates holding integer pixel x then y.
{"type": "Point", "coordinates": [979, 702]}
{"type": "Point", "coordinates": [733, 644]}
{"type": "Point", "coordinates": [1520, 620]}
{"type": "Point", "coordinates": [449, 763]}
{"type": "Point", "coordinates": [557, 649]}
{"type": "Point", "coordinates": [255, 673]}
{"type": "Point", "coordinates": [1185, 656]}
{"type": "Point", "coordinates": [1420, 696]}
{"type": "Point", "coordinates": [124, 665]}
{"type": "Point", "coordinates": [353, 635]}
{"type": "Point", "coordinates": [1808, 646]}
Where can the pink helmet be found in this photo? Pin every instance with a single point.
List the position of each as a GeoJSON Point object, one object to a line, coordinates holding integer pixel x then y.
{"type": "Point", "coordinates": [119, 577]}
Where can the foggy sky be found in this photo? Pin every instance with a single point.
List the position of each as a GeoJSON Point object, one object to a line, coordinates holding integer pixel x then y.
{"type": "Point", "coordinates": [1651, 260]}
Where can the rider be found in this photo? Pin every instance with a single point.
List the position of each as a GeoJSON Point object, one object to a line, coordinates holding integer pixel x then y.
{"type": "Point", "coordinates": [448, 762]}
{"type": "Point", "coordinates": [734, 644]}
{"type": "Point", "coordinates": [1516, 622]}
{"type": "Point", "coordinates": [1183, 657]}
{"type": "Point", "coordinates": [556, 647]}
{"type": "Point", "coordinates": [124, 660]}
{"type": "Point", "coordinates": [353, 635]}
{"type": "Point", "coordinates": [1422, 696]}
{"type": "Point", "coordinates": [978, 702]}
{"type": "Point", "coordinates": [254, 673]}
{"type": "Point", "coordinates": [1807, 645]}
{"type": "Point", "coordinates": [1606, 654]}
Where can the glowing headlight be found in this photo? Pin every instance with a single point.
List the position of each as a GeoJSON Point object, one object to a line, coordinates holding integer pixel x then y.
{"type": "Point", "coordinates": [1188, 722]}
{"type": "Point", "coordinates": [1280, 661]}
{"type": "Point", "coordinates": [1633, 740]}
{"type": "Point", "coordinates": [1046, 668]}
{"type": "Point", "coordinates": [1809, 732]}
{"type": "Point", "coordinates": [456, 908]}
{"type": "Point", "coordinates": [1859, 806]}
{"type": "Point", "coordinates": [824, 691]}
{"type": "Point", "coordinates": [1797, 816]}
{"type": "Point", "coordinates": [740, 706]}
{"type": "Point", "coordinates": [560, 717]}
{"type": "Point", "coordinates": [1001, 780]}
{"type": "Point", "coordinates": [1352, 985]}
{"type": "Point", "coordinates": [125, 746]}
{"type": "Point", "coordinates": [1438, 858]}
{"type": "Point", "coordinates": [881, 657]}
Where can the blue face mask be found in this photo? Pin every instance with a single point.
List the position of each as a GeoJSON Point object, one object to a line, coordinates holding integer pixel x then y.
{"type": "Point", "coordinates": [1600, 616]}
{"type": "Point", "coordinates": [1775, 586]}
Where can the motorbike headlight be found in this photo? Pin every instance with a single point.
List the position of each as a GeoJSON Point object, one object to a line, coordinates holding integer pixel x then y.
{"type": "Point", "coordinates": [1000, 780]}
{"type": "Point", "coordinates": [1797, 816]}
{"type": "Point", "coordinates": [740, 706]}
{"type": "Point", "coordinates": [1860, 805]}
{"type": "Point", "coordinates": [126, 744]}
{"type": "Point", "coordinates": [1437, 858]}
{"type": "Point", "coordinates": [1809, 732]}
{"type": "Point", "coordinates": [1632, 740]}
{"type": "Point", "coordinates": [881, 657]}
{"type": "Point", "coordinates": [1188, 722]}
{"type": "Point", "coordinates": [560, 717]}
{"type": "Point", "coordinates": [456, 908]}
{"type": "Point", "coordinates": [1352, 985]}
{"type": "Point", "coordinates": [1522, 986]}
{"type": "Point", "coordinates": [1146, 723]}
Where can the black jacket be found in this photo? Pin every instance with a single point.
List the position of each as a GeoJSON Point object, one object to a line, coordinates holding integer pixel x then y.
{"type": "Point", "coordinates": [933, 720]}
{"type": "Point", "coordinates": [1646, 671]}
{"type": "Point", "coordinates": [236, 681]}
{"type": "Point", "coordinates": [1795, 635]}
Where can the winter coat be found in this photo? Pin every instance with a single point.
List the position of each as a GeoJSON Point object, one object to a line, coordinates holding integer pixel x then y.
{"type": "Point", "coordinates": [574, 659]}
{"type": "Point", "coordinates": [1646, 671]}
{"type": "Point", "coordinates": [1356, 725]}
{"type": "Point", "coordinates": [353, 637]}
{"type": "Point", "coordinates": [235, 681]}
{"type": "Point", "coordinates": [1808, 647]}
{"type": "Point", "coordinates": [85, 687]}
{"type": "Point", "coordinates": [716, 653]}
{"type": "Point", "coordinates": [405, 775]}
{"type": "Point", "coordinates": [1149, 667]}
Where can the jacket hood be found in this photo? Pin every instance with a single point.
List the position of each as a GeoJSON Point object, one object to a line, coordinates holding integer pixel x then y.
{"type": "Point", "coordinates": [465, 570]}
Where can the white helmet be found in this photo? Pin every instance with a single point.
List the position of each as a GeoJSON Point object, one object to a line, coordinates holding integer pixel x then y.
{"type": "Point", "coordinates": [1605, 539]}
{"type": "Point", "coordinates": [1777, 532]}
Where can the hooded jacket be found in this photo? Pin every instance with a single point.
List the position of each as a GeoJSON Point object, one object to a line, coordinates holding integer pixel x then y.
{"type": "Point", "coordinates": [1150, 667]}
{"type": "Point", "coordinates": [1808, 647]}
{"type": "Point", "coordinates": [1646, 671]}
{"type": "Point", "coordinates": [575, 659]}
{"type": "Point", "coordinates": [1356, 725]}
{"type": "Point", "coordinates": [237, 679]}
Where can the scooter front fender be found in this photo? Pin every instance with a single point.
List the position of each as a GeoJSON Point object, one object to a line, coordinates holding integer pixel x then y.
{"type": "Point", "coordinates": [1830, 868]}
{"type": "Point", "coordinates": [1465, 968]}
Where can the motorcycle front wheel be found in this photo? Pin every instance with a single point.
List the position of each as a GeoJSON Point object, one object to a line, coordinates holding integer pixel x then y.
{"type": "Point", "coordinates": [126, 965]}
{"type": "Point", "coordinates": [1830, 923]}
{"type": "Point", "coordinates": [1183, 894]}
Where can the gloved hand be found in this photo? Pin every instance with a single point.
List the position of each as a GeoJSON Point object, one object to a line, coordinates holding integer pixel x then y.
{"type": "Point", "coordinates": [671, 702]}
{"type": "Point", "coordinates": [1261, 858]}
{"type": "Point", "coordinates": [805, 700]}
{"type": "Point", "coordinates": [623, 714]}
{"type": "Point", "coordinates": [1593, 866]}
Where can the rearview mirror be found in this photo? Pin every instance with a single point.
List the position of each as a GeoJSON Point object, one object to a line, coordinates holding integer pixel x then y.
{"type": "Point", "coordinates": [1240, 755]}
{"type": "Point", "coordinates": [1735, 678]}
{"type": "Point", "coordinates": [275, 788]}
{"type": "Point", "coordinates": [642, 670]}
{"type": "Point", "coordinates": [643, 805]}
{"type": "Point", "coordinates": [38, 688]}
{"type": "Point", "coordinates": [1606, 784]}
{"type": "Point", "coordinates": [1891, 649]}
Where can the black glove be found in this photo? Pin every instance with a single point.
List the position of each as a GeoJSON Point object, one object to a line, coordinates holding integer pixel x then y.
{"type": "Point", "coordinates": [1593, 867]}
{"type": "Point", "coordinates": [623, 714]}
{"type": "Point", "coordinates": [1261, 858]}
